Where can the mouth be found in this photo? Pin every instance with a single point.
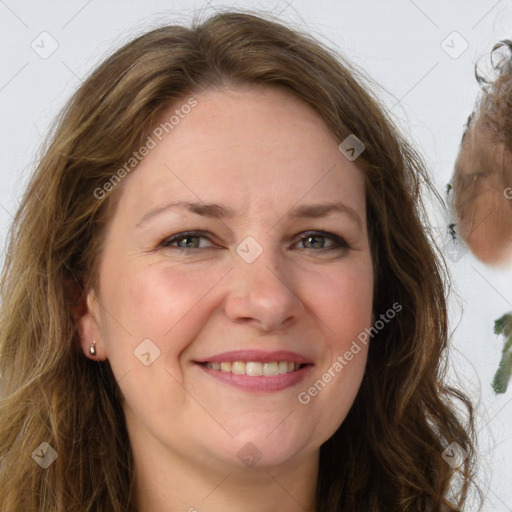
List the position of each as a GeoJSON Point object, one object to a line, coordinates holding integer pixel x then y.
{"type": "Point", "coordinates": [256, 370]}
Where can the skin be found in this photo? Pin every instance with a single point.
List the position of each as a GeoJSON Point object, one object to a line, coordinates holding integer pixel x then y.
{"type": "Point", "coordinates": [483, 196]}
{"type": "Point", "coordinates": [262, 152]}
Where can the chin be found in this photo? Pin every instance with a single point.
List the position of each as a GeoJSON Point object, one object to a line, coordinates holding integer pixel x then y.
{"type": "Point", "coordinates": [265, 448]}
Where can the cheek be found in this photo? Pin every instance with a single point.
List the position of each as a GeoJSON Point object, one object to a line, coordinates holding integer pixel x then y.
{"type": "Point", "coordinates": [164, 303]}
{"type": "Point", "coordinates": [160, 302]}
{"type": "Point", "coordinates": [343, 301]}
{"type": "Point", "coordinates": [350, 317]}
{"type": "Point", "coordinates": [157, 297]}
{"type": "Point", "coordinates": [344, 304]}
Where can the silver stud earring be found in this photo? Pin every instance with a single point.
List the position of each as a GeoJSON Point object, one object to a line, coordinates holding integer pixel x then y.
{"type": "Point", "coordinates": [92, 349]}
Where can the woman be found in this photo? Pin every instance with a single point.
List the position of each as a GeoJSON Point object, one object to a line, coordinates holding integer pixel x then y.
{"type": "Point", "coordinates": [219, 295]}
{"type": "Point", "coordinates": [482, 184]}
{"type": "Point", "coordinates": [481, 194]}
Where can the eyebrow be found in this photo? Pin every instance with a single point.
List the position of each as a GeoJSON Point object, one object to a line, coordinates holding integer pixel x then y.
{"type": "Point", "coordinates": [218, 211]}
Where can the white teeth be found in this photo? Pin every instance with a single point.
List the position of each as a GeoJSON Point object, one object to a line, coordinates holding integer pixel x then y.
{"type": "Point", "coordinates": [271, 368]}
{"type": "Point", "coordinates": [283, 367]}
{"type": "Point", "coordinates": [238, 368]}
{"type": "Point", "coordinates": [254, 368]}
{"type": "Point", "coordinates": [225, 367]}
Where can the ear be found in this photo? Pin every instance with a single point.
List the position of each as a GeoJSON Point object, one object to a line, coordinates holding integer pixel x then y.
{"type": "Point", "coordinates": [89, 327]}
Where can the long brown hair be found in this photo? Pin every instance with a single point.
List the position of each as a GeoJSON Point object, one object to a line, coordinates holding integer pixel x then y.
{"type": "Point", "coordinates": [387, 454]}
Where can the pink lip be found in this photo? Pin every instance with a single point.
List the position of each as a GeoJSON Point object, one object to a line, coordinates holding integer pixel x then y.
{"type": "Point", "coordinates": [262, 383]}
{"type": "Point", "coordinates": [258, 356]}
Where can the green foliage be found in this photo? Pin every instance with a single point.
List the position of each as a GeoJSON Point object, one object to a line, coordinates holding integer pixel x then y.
{"type": "Point", "coordinates": [503, 326]}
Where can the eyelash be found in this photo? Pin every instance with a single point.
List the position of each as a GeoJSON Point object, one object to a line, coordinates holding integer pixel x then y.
{"type": "Point", "coordinates": [340, 243]}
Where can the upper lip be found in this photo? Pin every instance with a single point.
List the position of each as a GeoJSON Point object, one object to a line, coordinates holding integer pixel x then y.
{"type": "Point", "coordinates": [261, 356]}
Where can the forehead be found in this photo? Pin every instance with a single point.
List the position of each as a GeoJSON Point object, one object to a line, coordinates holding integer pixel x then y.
{"type": "Point", "coordinates": [246, 145]}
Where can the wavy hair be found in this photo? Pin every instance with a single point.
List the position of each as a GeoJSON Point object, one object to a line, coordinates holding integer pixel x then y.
{"type": "Point", "coordinates": [387, 453]}
{"type": "Point", "coordinates": [495, 102]}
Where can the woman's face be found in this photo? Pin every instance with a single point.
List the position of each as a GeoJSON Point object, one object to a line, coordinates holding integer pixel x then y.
{"type": "Point", "coordinates": [483, 196]}
{"type": "Point", "coordinates": [279, 281]}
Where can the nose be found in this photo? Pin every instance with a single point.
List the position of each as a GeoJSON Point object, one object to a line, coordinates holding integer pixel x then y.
{"type": "Point", "coordinates": [263, 294]}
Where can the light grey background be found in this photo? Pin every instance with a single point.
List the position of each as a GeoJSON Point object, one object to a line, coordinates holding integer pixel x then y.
{"type": "Point", "coordinates": [398, 43]}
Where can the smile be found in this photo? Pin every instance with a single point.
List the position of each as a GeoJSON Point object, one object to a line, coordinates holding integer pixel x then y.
{"type": "Point", "coordinates": [257, 370]}
{"type": "Point", "coordinates": [254, 368]}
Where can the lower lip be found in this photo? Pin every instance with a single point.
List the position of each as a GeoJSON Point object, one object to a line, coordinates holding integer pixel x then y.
{"type": "Point", "coordinates": [262, 383]}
